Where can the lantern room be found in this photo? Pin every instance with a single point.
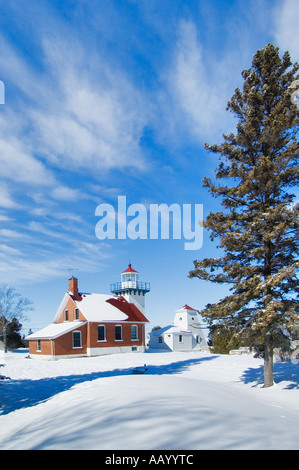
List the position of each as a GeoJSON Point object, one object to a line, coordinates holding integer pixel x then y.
{"type": "Point", "coordinates": [131, 288]}
{"type": "Point", "coordinates": [129, 278]}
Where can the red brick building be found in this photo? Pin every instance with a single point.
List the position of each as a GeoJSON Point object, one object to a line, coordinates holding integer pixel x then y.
{"type": "Point", "coordinates": [95, 324]}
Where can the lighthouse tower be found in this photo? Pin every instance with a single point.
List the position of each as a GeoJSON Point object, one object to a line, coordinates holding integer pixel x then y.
{"type": "Point", "coordinates": [131, 288]}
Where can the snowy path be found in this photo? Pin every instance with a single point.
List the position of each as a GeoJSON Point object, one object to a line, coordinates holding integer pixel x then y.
{"type": "Point", "coordinates": [184, 402]}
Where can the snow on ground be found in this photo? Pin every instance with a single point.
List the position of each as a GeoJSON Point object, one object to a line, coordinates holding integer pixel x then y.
{"type": "Point", "coordinates": [185, 401]}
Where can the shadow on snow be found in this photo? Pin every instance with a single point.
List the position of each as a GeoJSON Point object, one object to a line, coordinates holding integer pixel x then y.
{"type": "Point", "coordinates": [16, 394]}
{"type": "Point", "coordinates": [282, 372]}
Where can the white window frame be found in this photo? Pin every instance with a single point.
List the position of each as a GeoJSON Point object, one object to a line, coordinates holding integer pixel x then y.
{"type": "Point", "coordinates": [66, 315]}
{"type": "Point", "coordinates": [136, 329]}
{"type": "Point", "coordinates": [121, 333]}
{"type": "Point", "coordinates": [38, 345]}
{"type": "Point", "coordinates": [76, 313]}
{"type": "Point", "coordinates": [77, 347]}
{"type": "Point", "coordinates": [102, 340]}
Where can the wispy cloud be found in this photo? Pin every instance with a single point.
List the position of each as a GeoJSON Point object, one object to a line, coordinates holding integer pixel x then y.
{"type": "Point", "coordinates": [21, 267]}
{"type": "Point", "coordinates": [8, 250]}
{"type": "Point", "coordinates": [64, 193]}
{"type": "Point", "coordinates": [75, 112]}
{"type": "Point", "coordinates": [286, 24]}
{"type": "Point", "coordinates": [71, 118]}
{"type": "Point", "coordinates": [5, 218]}
{"type": "Point", "coordinates": [97, 99]}
{"type": "Point", "coordinates": [18, 155]}
{"type": "Point", "coordinates": [6, 199]}
{"type": "Point", "coordinates": [92, 117]}
{"type": "Point", "coordinates": [199, 88]}
{"type": "Point", "coordinates": [10, 234]}
{"type": "Point", "coordinates": [18, 164]}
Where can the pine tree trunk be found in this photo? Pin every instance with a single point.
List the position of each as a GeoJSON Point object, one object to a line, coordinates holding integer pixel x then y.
{"type": "Point", "coordinates": [268, 362]}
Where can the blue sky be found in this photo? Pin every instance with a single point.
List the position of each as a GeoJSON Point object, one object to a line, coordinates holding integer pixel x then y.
{"type": "Point", "coordinates": [116, 98]}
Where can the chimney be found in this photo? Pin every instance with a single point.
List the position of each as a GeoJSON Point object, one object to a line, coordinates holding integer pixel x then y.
{"type": "Point", "coordinates": [73, 286]}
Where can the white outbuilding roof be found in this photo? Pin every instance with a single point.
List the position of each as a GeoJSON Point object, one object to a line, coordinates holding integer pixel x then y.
{"type": "Point", "coordinates": [170, 329]}
{"type": "Point", "coordinates": [55, 329]}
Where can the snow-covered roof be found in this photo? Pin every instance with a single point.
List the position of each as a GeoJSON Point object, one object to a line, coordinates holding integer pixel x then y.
{"type": "Point", "coordinates": [186, 307]}
{"type": "Point", "coordinates": [170, 329]}
{"type": "Point", "coordinates": [95, 307]}
{"type": "Point", "coordinates": [54, 330]}
{"type": "Point", "coordinates": [102, 307]}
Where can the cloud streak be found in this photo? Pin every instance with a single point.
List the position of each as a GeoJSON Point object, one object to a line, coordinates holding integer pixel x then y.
{"type": "Point", "coordinates": [89, 116]}
{"type": "Point", "coordinates": [198, 88]}
{"type": "Point", "coordinates": [286, 21]}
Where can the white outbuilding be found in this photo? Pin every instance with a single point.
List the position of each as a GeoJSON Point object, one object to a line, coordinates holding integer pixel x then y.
{"type": "Point", "coordinates": [185, 334]}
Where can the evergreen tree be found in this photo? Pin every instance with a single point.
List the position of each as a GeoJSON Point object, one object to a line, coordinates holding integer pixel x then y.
{"type": "Point", "coordinates": [12, 330]}
{"type": "Point", "coordinates": [13, 307]}
{"type": "Point", "coordinates": [223, 341]}
{"type": "Point", "coordinates": [258, 227]}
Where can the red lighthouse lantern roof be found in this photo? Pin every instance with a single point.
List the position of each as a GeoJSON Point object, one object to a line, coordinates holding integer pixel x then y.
{"type": "Point", "coordinates": [130, 270]}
